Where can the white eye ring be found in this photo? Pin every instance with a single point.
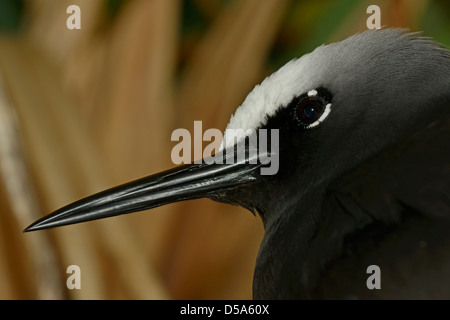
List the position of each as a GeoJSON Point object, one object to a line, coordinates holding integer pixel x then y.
{"type": "Point", "coordinates": [322, 117]}
{"type": "Point", "coordinates": [312, 93]}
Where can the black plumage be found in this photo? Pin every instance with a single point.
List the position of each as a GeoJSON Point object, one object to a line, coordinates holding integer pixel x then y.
{"type": "Point", "coordinates": [364, 173]}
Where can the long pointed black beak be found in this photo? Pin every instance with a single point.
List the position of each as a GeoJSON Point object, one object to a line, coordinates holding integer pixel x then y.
{"type": "Point", "coordinates": [191, 181]}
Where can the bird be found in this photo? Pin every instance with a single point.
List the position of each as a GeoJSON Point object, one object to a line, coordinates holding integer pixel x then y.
{"type": "Point", "coordinates": [363, 178]}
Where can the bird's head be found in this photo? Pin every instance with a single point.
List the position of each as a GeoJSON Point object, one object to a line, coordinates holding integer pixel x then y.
{"type": "Point", "coordinates": [333, 108]}
{"type": "Point", "coordinates": [338, 106]}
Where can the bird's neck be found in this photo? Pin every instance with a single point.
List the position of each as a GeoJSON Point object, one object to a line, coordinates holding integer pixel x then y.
{"type": "Point", "coordinates": [297, 246]}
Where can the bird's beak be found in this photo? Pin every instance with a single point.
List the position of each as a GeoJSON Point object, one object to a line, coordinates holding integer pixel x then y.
{"type": "Point", "coordinates": [190, 181]}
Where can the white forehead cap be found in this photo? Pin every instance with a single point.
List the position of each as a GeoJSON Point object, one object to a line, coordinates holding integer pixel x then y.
{"type": "Point", "coordinates": [276, 91]}
{"type": "Point", "coordinates": [328, 64]}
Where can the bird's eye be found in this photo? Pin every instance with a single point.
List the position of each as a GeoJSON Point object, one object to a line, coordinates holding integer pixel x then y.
{"type": "Point", "coordinates": [312, 108]}
{"type": "Point", "coordinates": [309, 110]}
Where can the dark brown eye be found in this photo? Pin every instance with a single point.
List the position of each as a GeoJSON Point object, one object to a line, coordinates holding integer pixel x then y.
{"type": "Point", "coordinates": [309, 110]}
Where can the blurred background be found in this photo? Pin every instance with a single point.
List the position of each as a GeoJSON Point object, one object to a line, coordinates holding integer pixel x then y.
{"type": "Point", "coordinates": [84, 110]}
